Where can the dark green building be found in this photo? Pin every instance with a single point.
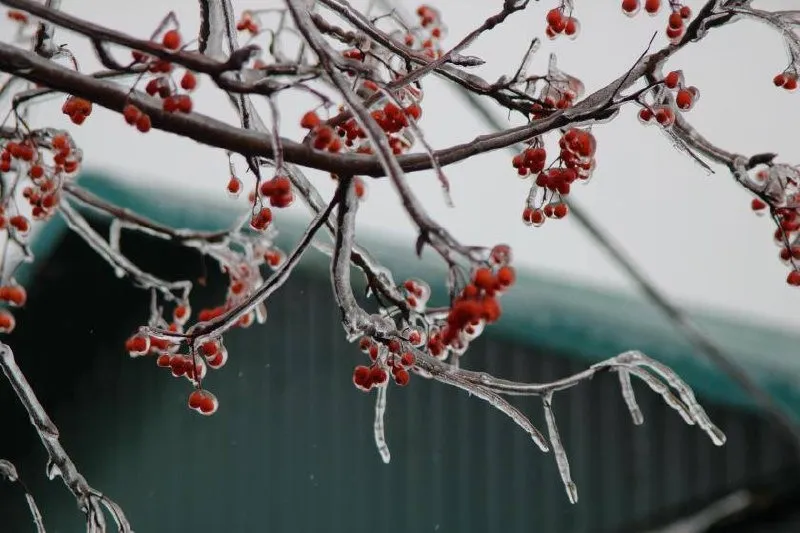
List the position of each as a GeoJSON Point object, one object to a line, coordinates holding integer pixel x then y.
{"type": "Point", "coordinates": [291, 448]}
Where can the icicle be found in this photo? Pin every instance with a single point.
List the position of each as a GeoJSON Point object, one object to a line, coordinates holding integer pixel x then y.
{"type": "Point", "coordinates": [216, 20]}
{"type": "Point", "coordinates": [116, 513]}
{"type": "Point", "coordinates": [558, 449]}
{"type": "Point", "coordinates": [378, 426]}
{"type": "Point", "coordinates": [696, 411]}
{"type": "Point", "coordinates": [662, 389]}
{"type": "Point", "coordinates": [35, 514]}
{"type": "Point", "coordinates": [522, 71]}
{"type": "Point", "coordinates": [629, 396]}
{"type": "Point", "coordinates": [114, 236]}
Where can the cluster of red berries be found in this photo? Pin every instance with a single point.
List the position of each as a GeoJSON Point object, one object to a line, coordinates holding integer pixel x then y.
{"type": "Point", "coordinates": [685, 98]}
{"type": "Point", "coordinates": [787, 80]}
{"type": "Point", "coordinates": [548, 104]}
{"type": "Point", "coordinates": [279, 191]}
{"type": "Point", "coordinates": [577, 152]}
{"type": "Point", "coordinates": [211, 354]}
{"type": "Point", "coordinates": [788, 231]}
{"type": "Point", "coordinates": [675, 23]}
{"type": "Point", "coordinates": [536, 216]}
{"type": "Point", "coordinates": [530, 160]}
{"type": "Point", "coordinates": [323, 136]}
{"type": "Point", "coordinates": [476, 305]}
{"type": "Point", "coordinates": [787, 216]}
{"type": "Point", "coordinates": [558, 23]}
{"type": "Point", "coordinates": [162, 84]}
{"type": "Point", "coordinates": [577, 155]}
{"type": "Point", "coordinates": [417, 294]}
{"type": "Point", "coordinates": [395, 360]}
{"type": "Point", "coordinates": [203, 401]}
{"type": "Point", "coordinates": [43, 193]}
{"type": "Point", "coordinates": [429, 35]}
{"type": "Point", "coordinates": [136, 117]}
{"type": "Point", "coordinates": [77, 109]}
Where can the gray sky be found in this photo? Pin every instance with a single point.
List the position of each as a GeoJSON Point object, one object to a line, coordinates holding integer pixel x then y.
{"type": "Point", "coordinates": [693, 233]}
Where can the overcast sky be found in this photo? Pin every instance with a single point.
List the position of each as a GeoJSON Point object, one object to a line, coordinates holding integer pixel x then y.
{"type": "Point", "coordinates": [693, 233]}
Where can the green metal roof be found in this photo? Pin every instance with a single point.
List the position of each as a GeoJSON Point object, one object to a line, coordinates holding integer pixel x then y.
{"type": "Point", "coordinates": [577, 320]}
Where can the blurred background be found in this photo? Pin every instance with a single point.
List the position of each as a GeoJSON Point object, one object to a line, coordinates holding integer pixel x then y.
{"type": "Point", "coordinates": [291, 448]}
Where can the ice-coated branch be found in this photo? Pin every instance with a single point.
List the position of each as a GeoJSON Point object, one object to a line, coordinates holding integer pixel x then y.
{"type": "Point", "coordinates": [353, 316]}
{"type": "Point", "coordinates": [136, 220]}
{"type": "Point", "coordinates": [430, 232]}
{"type": "Point", "coordinates": [90, 501]}
{"type": "Point", "coordinates": [204, 331]}
{"type": "Point", "coordinates": [172, 290]}
{"type": "Point", "coordinates": [212, 132]}
{"type": "Point", "coordinates": [9, 472]}
{"type": "Point", "coordinates": [379, 278]}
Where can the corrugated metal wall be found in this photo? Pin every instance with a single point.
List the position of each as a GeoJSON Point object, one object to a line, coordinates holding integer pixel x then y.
{"type": "Point", "coordinates": [291, 447]}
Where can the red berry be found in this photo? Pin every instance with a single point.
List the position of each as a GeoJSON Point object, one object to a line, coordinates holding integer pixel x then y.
{"type": "Point", "coordinates": [672, 79]}
{"type": "Point", "coordinates": [483, 279]}
{"type": "Point", "coordinates": [143, 123]}
{"type": "Point", "coordinates": [684, 99]}
{"type": "Point", "coordinates": [630, 7]}
{"type": "Point", "coordinates": [310, 120]}
{"type": "Point", "coordinates": [505, 276]}
{"type": "Point", "coordinates": [7, 322]}
{"type": "Point", "coordinates": [401, 377]}
{"type": "Point", "coordinates": [652, 6]}
{"type": "Point", "coordinates": [188, 81]}
{"type": "Point", "coordinates": [131, 114]}
{"type": "Point", "coordinates": [171, 40]}
{"type": "Point", "coordinates": [555, 18]}
{"type": "Point", "coordinates": [234, 186]}
{"type": "Point", "coordinates": [572, 27]}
